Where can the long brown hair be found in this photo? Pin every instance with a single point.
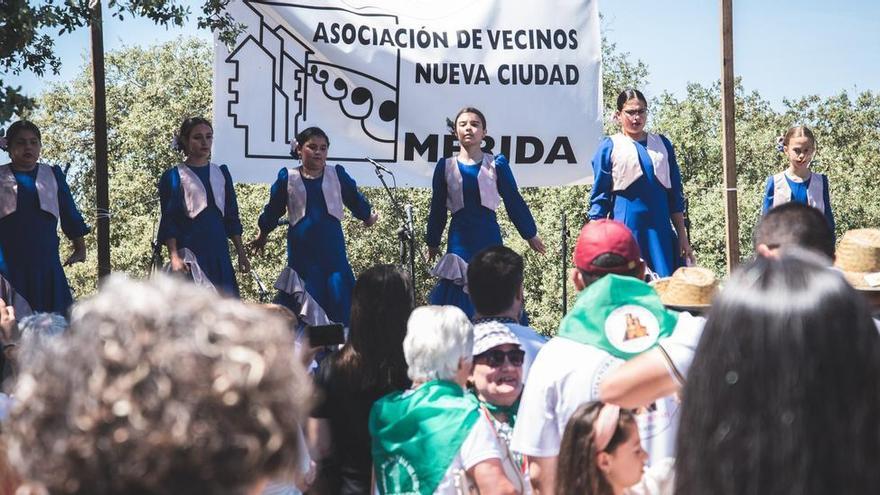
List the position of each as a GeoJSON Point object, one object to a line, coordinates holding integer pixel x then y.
{"type": "Point", "coordinates": [577, 470]}
{"type": "Point", "coordinates": [380, 307]}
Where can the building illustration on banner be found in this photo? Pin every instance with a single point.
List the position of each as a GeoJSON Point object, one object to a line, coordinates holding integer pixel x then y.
{"type": "Point", "coordinates": [292, 85]}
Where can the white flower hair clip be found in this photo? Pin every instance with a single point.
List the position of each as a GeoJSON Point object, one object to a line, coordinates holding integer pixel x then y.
{"type": "Point", "coordinates": [780, 144]}
{"type": "Point", "coordinates": [293, 145]}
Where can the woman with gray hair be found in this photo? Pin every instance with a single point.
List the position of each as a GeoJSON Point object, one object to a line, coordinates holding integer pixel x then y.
{"type": "Point", "coordinates": [160, 387]}
{"type": "Point", "coordinates": [38, 331]}
{"type": "Point", "coordinates": [432, 437]}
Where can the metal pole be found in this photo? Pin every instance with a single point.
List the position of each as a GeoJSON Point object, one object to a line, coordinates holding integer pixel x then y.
{"type": "Point", "coordinates": [728, 131]}
{"type": "Point", "coordinates": [102, 190]}
{"type": "Point", "coordinates": [564, 264]}
{"type": "Point", "coordinates": [411, 233]}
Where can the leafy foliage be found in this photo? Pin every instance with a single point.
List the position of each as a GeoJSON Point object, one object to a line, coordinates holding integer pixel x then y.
{"type": "Point", "coordinates": [150, 90]}
{"type": "Point", "coordinates": [26, 43]}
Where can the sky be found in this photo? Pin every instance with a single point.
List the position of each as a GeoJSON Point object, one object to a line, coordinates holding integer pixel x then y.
{"type": "Point", "coordinates": [782, 48]}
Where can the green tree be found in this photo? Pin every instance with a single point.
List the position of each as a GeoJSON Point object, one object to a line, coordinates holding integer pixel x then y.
{"type": "Point", "coordinates": [150, 90]}
{"type": "Point", "coordinates": [27, 44]}
{"type": "Point", "coordinates": [847, 131]}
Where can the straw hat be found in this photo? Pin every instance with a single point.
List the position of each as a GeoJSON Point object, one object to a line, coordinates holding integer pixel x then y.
{"type": "Point", "coordinates": [858, 257]}
{"type": "Point", "coordinates": [689, 288]}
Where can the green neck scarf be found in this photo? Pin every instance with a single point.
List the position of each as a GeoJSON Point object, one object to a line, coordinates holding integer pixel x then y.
{"type": "Point", "coordinates": [417, 433]}
{"type": "Point", "coordinates": [621, 315]}
{"type": "Point", "coordinates": [510, 410]}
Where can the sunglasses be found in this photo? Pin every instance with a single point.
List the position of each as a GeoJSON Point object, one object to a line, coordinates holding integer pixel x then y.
{"type": "Point", "coordinates": [495, 358]}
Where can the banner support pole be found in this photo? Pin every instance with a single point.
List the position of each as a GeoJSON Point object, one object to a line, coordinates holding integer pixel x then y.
{"type": "Point", "coordinates": [728, 131]}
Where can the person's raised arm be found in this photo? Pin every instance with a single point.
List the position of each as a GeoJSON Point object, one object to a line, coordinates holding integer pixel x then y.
{"type": "Point", "coordinates": [602, 193]}
{"type": "Point", "coordinates": [169, 230]}
{"type": "Point", "coordinates": [354, 200]}
{"type": "Point", "coordinates": [516, 206]}
{"type": "Point", "coordinates": [639, 382]}
{"type": "Point", "coordinates": [658, 372]}
{"type": "Point", "coordinates": [437, 214]}
{"type": "Point", "coordinates": [272, 212]}
{"type": "Point", "coordinates": [72, 223]}
{"type": "Point", "coordinates": [676, 205]}
{"type": "Point", "coordinates": [232, 221]}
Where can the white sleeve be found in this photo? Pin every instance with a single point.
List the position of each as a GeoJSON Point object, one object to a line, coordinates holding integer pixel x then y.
{"type": "Point", "coordinates": [481, 444]}
{"type": "Point", "coordinates": [679, 348]}
{"type": "Point", "coordinates": [658, 479]}
{"type": "Point", "coordinates": [536, 432]}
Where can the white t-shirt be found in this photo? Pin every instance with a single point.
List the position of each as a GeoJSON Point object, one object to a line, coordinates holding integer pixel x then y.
{"type": "Point", "coordinates": [567, 374]}
{"type": "Point", "coordinates": [680, 347]}
{"type": "Point", "coordinates": [480, 445]}
{"type": "Point", "coordinates": [658, 479]}
{"type": "Point", "coordinates": [531, 342]}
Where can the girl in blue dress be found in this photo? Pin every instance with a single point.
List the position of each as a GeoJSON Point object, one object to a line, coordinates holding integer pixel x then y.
{"type": "Point", "coordinates": [798, 183]}
{"type": "Point", "coordinates": [200, 210]}
{"type": "Point", "coordinates": [471, 185]}
{"type": "Point", "coordinates": [637, 181]}
{"type": "Point", "coordinates": [34, 197]}
{"type": "Point", "coordinates": [313, 196]}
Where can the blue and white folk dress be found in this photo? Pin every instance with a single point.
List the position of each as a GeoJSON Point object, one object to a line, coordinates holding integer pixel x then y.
{"type": "Point", "coordinates": [31, 205]}
{"type": "Point", "coordinates": [200, 211]}
{"type": "Point", "coordinates": [315, 242]}
{"type": "Point", "coordinates": [639, 183]}
{"type": "Point", "coordinates": [472, 193]}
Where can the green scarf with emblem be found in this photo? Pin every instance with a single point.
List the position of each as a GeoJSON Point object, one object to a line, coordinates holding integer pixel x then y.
{"type": "Point", "coordinates": [417, 433]}
{"type": "Point", "coordinates": [621, 315]}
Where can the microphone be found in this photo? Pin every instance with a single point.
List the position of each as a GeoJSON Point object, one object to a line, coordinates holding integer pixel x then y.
{"type": "Point", "coordinates": [378, 166]}
{"type": "Point", "coordinates": [260, 287]}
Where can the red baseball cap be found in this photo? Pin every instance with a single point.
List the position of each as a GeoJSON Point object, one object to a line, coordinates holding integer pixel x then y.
{"type": "Point", "coordinates": [605, 236]}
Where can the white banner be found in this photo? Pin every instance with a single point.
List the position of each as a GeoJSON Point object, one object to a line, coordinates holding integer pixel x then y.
{"type": "Point", "coordinates": [381, 80]}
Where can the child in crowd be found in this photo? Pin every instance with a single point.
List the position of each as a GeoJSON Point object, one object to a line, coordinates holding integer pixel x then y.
{"type": "Point", "coordinates": [601, 454]}
{"type": "Point", "coordinates": [798, 183]}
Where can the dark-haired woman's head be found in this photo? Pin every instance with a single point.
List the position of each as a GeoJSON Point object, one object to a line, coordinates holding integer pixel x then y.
{"type": "Point", "coordinates": [24, 143]}
{"type": "Point", "coordinates": [380, 307]}
{"type": "Point", "coordinates": [311, 146]}
{"type": "Point", "coordinates": [630, 94]}
{"type": "Point", "coordinates": [782, 396]}
{"type": "Point", "coordinates": [469, 127]}
{"type": "Point", "coordinates": [600, 450]}
{"type": "Point", "coordinates": [195, 137]}
{"type": "Point", "coordinates": [632, 112]}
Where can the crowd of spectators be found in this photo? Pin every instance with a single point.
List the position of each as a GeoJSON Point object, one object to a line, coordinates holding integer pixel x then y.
{"type": "Point", "coordinates": [680, 385]}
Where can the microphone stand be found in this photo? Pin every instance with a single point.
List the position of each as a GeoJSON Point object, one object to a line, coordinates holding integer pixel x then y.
{"type": "Point", "coordinates": [563, 265]}
{"type": "Point", "coordinates": [405, 233]}
{"type": "Point", "coordinates": [156, 249]}
{"type": "Point", "coordinates": [156, 257]}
